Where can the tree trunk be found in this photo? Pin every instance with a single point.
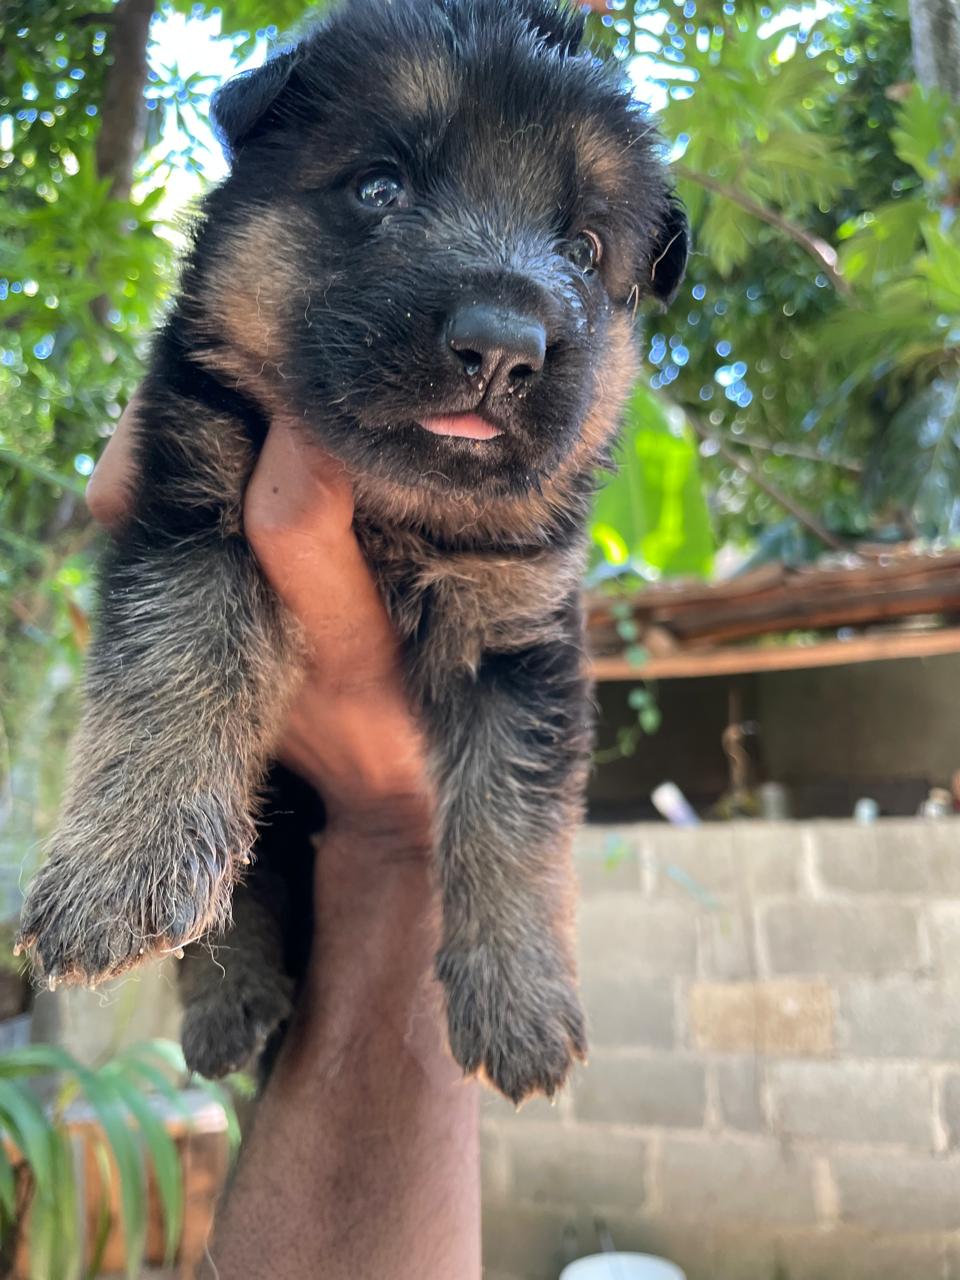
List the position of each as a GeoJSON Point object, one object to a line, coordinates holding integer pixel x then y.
{"type": "Point", "coordinates": [123, 110]}
{"type": "Point", "coordinates": [935, 27]}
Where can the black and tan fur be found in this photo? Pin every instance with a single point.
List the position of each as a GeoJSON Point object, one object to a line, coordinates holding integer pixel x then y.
{"type": "Point", "coordinates": [510, 141]}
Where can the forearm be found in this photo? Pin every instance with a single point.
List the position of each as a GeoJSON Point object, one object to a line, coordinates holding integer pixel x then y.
{"type": "Point", "coordinates": [363, 1158]}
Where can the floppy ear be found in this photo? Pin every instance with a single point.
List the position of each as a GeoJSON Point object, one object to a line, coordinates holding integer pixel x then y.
{"type": "Point", "coordinates": [670, 254]}
{"type": "Point", "coordinates": [560, 26]}
{"type": "Point", "coordinates": [246, 106]}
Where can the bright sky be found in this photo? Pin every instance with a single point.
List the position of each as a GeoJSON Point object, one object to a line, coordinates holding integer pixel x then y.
{"type": "Point", "coordinates": [193, 45]}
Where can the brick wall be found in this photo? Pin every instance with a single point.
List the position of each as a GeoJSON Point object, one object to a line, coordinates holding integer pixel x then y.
{"type": "Point", "coordinates": [774, 1081]}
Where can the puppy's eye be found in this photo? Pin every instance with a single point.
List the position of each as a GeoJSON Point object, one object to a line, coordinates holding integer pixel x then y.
{"type": "Point", "coordinates": [380, 190]}
{"type": "Point", "coordinates": [584, 251]}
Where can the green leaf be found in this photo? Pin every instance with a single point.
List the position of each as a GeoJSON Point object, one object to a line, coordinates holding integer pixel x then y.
{"type": "Point", "coordinates": [109, 1110]}
{"type": "Point", "coordinates": [727, 234]}
{"type": "Point", "coordinates": [66, 1253]}
{"type": "Point", "coordinates": [34, 1059]}
{"type": "Point", "coordinates": [654, 504]}
{"type": "Point", "coordinates": [22, 1116]}
{"type": "Point", "coordinates": [101, 1234]}
{"type": "Point", "coordinates": [161, 1149]}
{"type": "Point", "coordinates": [920, 135]}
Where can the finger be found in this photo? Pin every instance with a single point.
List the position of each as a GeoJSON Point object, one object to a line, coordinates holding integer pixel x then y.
{"type": "Point", "coordinates": [298, 517]}
{"type": "Point", "coordinates": [110, 488]}
{"type": "Point", "coordinates": [299, 520]}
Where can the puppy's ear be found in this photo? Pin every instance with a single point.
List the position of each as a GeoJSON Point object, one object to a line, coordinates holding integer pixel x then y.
{"type": "Point", "coordinates": [669, 258]}
{"type": "Point", "coordinates": [560, 26]}
{"type": "Point", "coordinates": [247, 105]}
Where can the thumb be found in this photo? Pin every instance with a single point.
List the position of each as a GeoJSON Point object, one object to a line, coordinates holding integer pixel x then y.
{"type": "Point", "coordinates": [298, 517]}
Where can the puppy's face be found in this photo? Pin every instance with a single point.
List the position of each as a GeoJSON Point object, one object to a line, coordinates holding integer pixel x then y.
{"type": "Point", "coordinates": [440, 219]}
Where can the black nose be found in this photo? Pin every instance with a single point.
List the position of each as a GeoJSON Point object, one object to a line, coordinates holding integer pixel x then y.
{"type": "Point", "coordinates": [501, 351]}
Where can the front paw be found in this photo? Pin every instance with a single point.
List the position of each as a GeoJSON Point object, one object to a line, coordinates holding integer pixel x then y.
{"type": "Point", "coordinates": [513, 1017]}
{"type": "Point", "coordinates": [97, 907]}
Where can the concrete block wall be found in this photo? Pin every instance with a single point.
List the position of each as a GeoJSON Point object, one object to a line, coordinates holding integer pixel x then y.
{"type": "Point", "coordinates": [773, 1090]}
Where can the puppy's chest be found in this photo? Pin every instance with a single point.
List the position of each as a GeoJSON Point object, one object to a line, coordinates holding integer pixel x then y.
{"type": "Point", "coordinates": [451, 608]}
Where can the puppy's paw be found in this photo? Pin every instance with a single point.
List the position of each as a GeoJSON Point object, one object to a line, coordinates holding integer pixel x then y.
{"type": "Point", "coordinates": [513, 1018]}
{"type": "Point", "coordinates": [230, 1024]}
{"type": "Point", "coordinates": [94, 910]}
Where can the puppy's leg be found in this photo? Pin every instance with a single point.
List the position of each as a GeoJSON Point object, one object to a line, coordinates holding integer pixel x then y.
{"type": "Point", "coordinates": [237, 990]}
{"type": "Point", "coordinates": [513, 747]}
{"type": "Point", "coordinates": [186, 677]}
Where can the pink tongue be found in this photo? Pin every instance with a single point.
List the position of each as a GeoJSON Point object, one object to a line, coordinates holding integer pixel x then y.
{"type": "Point", "coordinates": [470, 426]}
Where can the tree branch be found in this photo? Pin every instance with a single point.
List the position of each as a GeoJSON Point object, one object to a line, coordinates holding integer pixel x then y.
{"type": "Point", "coordinates": [824, 254]}
{"type": "Point", "coordinates": [781, 450]}
{"type": "Point", "coordinates": [94, 19]}
{"type": "Point", "coordinates": [800, 514]}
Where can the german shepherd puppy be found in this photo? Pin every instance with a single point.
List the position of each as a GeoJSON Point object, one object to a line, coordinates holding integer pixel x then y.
{"type": "Point", "coordinates": [440, 219]}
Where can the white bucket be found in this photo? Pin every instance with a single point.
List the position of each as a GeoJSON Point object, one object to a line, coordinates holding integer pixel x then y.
{"type": "Point", "coordinates": [622, 1266]}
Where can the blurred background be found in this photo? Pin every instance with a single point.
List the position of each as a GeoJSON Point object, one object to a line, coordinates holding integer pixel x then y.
{"type": "Point", "coordinates": [774, 594]}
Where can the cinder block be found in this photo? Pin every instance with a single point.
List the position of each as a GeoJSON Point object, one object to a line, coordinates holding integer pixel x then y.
{"type": "Point", "coordinates": [608, 858]}
{"type": "Point", "coordinates": [661, 1090]}
{"type": "Point", "coordinates": [740, 1093]}
{"type": "Point", "coordinates": [849, 1254]}
{"type": "Point", "coordinates": [903, 1195]}
{"type": "Point", "coordinates": [951, 1107]}
{"type": "Point", "coordinates": [869, 937]}
{"type": "Point", "coordinates": [580, 1166]}
{"type": "Point", "coordinates": [628, 1011]}
{"type": "Point", "coordinates": [727, 945]}
{"type": "Point", "coordinates": [943, 926]}
{"type": "Point", "coordinates": [524, 1240]}
{"type": "Point", "coordinates": [725, 860]}
{"type": "Point", "coordinates": [696, 865]}
{"type": "Point", "coordinates": [853, 1101]}
{"type": "Point", "coordinates": [892, 856]}
{"type": "Point", "coordinates": [743, 1181]}
{"type": "Point", "coordinates": [711, 1251]}
{"type": "Point", "coordinates": [775, 1017]}
{"type": "Point", "coordinates": [629, 935]}
{"type": "Point", "coordinates": [494, 1169]}
{"type": "Point", "coordinates": [898, 1017]}
{"type": "Point", "coordinates": [770, 855]}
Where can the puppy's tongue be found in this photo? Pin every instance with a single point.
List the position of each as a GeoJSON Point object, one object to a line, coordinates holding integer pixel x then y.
{"type": "Point", "coordinates": [469, 426]}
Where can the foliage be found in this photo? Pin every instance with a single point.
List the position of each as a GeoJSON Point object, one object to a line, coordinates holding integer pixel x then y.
{"type": "Point", "coordinates": [796, 139]}
{"type": "Point", "coordinates": [129, 1136]}
{"type": "Point", "coordinates": [651, 514]}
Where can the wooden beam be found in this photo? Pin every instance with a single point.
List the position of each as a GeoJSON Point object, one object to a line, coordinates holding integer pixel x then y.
{"type": "Point", "coordinates": [741, 660]}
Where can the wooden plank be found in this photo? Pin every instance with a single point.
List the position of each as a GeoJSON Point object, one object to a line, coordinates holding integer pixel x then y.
{"type": "Point", "coordinates": [787, 606]}
{"type": "Point", "coordinates": [816, 613]}
{"type": "Point", "coordinates": [682, 595]}
{"type": "Point", "coordinates": [741, 660]}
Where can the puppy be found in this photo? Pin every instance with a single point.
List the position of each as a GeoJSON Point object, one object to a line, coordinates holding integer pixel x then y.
{"type": "Point", "coordinates": [440, 218]}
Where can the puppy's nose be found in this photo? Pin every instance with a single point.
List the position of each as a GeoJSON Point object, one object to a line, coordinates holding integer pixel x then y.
{"type": "Point", "coordinates": [500, 351]}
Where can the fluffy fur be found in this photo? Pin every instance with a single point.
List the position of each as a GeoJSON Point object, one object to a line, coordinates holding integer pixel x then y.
{"type": "Point", "coordinates": [506, 141]}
